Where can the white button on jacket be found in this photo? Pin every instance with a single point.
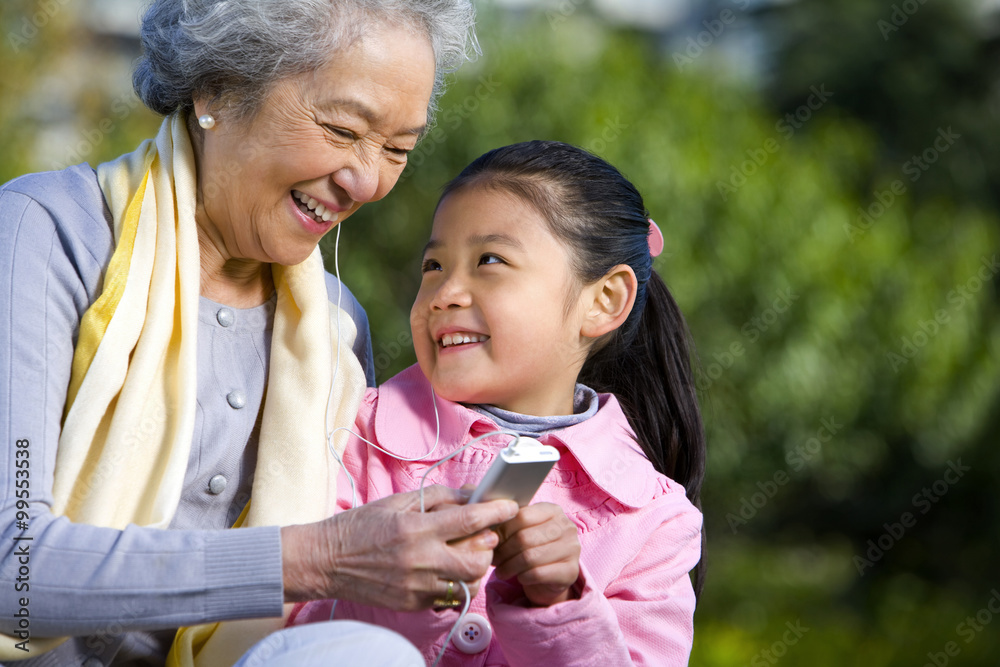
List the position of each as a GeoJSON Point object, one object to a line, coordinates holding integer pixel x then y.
{"type": "Point", "coordinates": [473, 635]}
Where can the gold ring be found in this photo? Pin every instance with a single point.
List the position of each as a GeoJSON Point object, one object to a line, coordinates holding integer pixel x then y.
{"type": "Point", "coordinates": [449, 601]}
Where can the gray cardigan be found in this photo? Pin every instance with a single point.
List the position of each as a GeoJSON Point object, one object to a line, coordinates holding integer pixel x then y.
{"type": "Point", "coordinates": [121, 594]}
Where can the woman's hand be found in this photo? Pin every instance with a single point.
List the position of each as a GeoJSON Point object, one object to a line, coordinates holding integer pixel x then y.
{"type": "Point", "coordinates": [388, 554]}
{"type": "Point", "coordinates": [541, 549]}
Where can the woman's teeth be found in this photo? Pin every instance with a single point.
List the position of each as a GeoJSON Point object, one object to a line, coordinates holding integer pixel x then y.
{"type": "Point", "coordinates": [449, 340]}
{"type": "Point", "coordinates": [313, 208]}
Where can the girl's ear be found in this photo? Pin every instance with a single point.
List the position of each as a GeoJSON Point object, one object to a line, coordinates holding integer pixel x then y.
{"type": "Point", "coordinates": [609, 301]}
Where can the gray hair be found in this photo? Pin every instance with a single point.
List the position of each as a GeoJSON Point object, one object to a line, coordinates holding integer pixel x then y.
{"type": "Point", "coordinates": [233, 51]}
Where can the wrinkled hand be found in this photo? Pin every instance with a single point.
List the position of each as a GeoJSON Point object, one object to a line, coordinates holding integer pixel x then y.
{"type": "Point", "coordinates": [387, 553]}
{"type": "Point", "coordinates": [540, 548]}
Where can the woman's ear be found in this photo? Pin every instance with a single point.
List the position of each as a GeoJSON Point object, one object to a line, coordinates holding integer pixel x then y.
{"type": "Point", "coordinates": [200, 106]}
{"type": "Point", "coordinates": [609, 301]}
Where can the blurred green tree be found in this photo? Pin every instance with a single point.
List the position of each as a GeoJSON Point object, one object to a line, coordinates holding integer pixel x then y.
{"type": "Point", "coordinates": [25, 47]}
{"type": "Point", "coordinates": [905, 69]}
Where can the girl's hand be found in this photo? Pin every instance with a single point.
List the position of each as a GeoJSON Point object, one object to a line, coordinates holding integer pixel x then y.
{"type": "Point", "coordinates": [541, 549]}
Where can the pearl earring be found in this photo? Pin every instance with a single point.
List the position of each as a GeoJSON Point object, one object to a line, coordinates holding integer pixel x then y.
{"type": "Point", "coordinates": [207, 121]}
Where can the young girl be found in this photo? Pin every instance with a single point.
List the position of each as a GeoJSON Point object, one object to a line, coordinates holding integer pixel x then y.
{"type": "Point", "coordinates": [539, 313]}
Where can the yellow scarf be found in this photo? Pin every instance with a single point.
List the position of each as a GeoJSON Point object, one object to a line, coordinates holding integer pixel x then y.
{"type": "Point", "coordinates": [126, 436]}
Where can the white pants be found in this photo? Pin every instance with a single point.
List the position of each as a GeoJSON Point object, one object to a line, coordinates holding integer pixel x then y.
{"type": "Point", "coordinates": [333, 644]}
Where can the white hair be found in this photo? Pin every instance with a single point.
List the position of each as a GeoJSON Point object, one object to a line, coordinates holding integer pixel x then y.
{"type": "Point", "coordinates": [234, 51]}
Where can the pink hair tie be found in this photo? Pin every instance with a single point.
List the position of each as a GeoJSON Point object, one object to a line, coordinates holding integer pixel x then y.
{"type": "Point", "coordinates": [655, 239]}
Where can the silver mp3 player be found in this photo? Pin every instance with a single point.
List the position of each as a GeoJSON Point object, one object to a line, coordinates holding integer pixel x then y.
{"type": "Point", "coordinates": [517, 472]}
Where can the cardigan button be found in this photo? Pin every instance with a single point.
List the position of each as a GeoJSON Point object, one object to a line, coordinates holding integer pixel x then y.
{"type": "Point", "coordinates": [474, 635]}
{"type": "Point", "coordinates": [237, 399]}
{"type": "Point", "coordinates": [226, 317]}
{"type": "Point", "coordinates": [217, 484]}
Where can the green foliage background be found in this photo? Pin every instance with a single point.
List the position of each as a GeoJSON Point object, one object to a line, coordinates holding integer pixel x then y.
{"type": "Point", "coordinates": [846, 363]}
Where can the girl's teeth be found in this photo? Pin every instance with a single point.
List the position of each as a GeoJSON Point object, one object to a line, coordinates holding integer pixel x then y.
{"type": "Point", "coordinates": [460, 339]}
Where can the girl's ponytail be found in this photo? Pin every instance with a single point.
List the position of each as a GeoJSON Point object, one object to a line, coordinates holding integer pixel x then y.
{"type": "Point", "coordinates": [654, 383]}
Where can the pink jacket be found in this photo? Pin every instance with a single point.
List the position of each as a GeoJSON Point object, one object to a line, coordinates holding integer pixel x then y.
{"type": "Point", "coordinates": [639, 536]}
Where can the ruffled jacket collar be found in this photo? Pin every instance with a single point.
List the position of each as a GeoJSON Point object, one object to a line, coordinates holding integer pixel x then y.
{"type": "Point", "coordinates": [604, 445]}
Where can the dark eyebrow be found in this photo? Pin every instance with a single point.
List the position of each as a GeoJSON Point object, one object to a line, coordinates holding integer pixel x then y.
{"type": "Point", "coordinates": [481, 239]}
{"type": "Point", "coordinates": [430, 246]}
{"type": "Point", "coordinates": [499, 239]}
{"type": "Point", "coordinates": [366, 113]}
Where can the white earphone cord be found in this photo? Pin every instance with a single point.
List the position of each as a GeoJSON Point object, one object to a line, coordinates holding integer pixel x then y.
{"type": "Point", "coordinates": [423, 478]}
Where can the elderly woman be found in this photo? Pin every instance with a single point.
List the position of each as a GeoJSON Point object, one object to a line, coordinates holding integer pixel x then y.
{"type": "Point", "coordinates": [174, 356]}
